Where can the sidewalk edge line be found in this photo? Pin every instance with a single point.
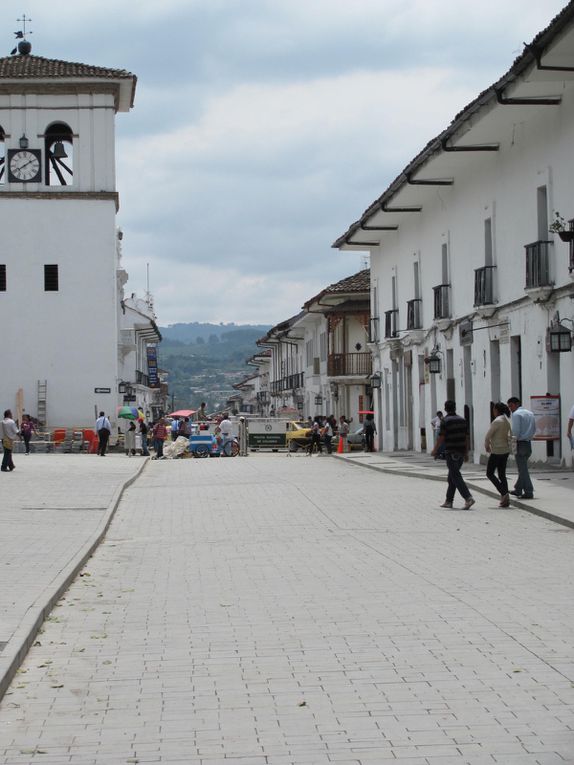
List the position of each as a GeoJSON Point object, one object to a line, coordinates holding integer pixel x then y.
{"type": "Point", "coordinates": [515, 503]}
{"type": "Point", "coordinates": [24, 635]}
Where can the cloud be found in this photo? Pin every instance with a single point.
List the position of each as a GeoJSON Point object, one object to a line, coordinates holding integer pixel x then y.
{"type": "Point", "coordinates": [262, 129]}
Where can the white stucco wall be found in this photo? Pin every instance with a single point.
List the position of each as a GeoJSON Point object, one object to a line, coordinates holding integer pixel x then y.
{"type": "Point", "coordinates": [535, 151]}
{"type": "Point", "coordinates": [68, 337]}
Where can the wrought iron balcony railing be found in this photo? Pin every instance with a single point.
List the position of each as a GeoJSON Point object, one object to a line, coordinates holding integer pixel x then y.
{"type": "Point", "coordinates": [290, 382]}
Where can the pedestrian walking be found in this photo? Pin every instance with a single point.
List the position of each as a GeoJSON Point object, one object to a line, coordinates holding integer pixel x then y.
{"type": "Point", "coordinates": [454, 434]}
{"type": "Point", "coordinates": [315, 438]}
{"type": "Point", "coordinates": [497, 443]}
{"type": "Point", "coordinates": [9, 431]}
{"type": "Point", "coordinates": [328, 435]}
{"type": "Point", "coordinates": [143, 435]}
{"type": "Point", "coordinates": [130, 440]}
{"type": "Point", "coordinates": [103, 430]}
{"type": "Point", "coordinates": [523, 430]}
{"type": "Point", "coordinates": [26, 430]}
{"type": "Point", "coordinates": [343, 430]}
{"type": "Point", "coordinates": [369, 431]}
{"type": "Point", "coordinates": [569, 428]}
{"type": "Point", "coordinates": [159, 437]}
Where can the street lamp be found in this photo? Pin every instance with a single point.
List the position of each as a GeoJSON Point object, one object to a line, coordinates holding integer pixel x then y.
{"type": "Point", "coordinates": [560, 337]}
{"type": "Point", "coordinates": [434, 361]}
{"type": "Point", "coordinates": [376, 380]}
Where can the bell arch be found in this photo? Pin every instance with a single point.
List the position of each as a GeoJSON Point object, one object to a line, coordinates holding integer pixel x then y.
{"type": "Point", "coordinates": [59, 154]}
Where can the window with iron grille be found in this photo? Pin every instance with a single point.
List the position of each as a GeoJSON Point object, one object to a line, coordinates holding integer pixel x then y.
{"type": "Point", "coordinates": [51, 282]}
{"type": "Point", "coordinates": [441, 301]}
{"type": "Point", "coordinates": [309, 352]}
{"type": "Point", "coordinates": [538, 264]}
{"type": "Point", "coordinates": [484, 285]}
{"type": "Point", "coordinates": [2, 277]}
{"type": "Point", "coordinates": [323, 346]}
{"type": "Point", "coordinates": [414, 311]}
{"type": "Point", "coordinates": [374, 329]}
{"type": "Point", "coordinates": [391, 318]}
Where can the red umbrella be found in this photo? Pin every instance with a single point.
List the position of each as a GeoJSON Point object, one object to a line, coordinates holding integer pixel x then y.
{"type": "Point", "coordinates": [183, 413]}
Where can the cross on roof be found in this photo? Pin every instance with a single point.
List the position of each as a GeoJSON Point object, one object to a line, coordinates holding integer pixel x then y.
{"type": "Point", "coordinates": [22, 33]}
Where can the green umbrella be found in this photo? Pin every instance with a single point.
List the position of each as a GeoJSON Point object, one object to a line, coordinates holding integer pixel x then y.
{"type": "Point", "coordinates": [127, 412]}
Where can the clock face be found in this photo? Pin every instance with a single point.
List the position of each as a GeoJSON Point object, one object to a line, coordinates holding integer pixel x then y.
{"type": "Point", "coordinates": [24, 165]}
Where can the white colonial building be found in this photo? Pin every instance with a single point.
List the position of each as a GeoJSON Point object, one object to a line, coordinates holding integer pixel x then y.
{"type": "Point", "coordinates": [60, 288]}
{"type": "Point", "coordinates": [470, 291]}
{"type": "Point", "coordinates": [319, 360]}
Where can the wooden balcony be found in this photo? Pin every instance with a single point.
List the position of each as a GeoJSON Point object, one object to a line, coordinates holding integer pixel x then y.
{"type": "Point", "coordinates": [349, 364]}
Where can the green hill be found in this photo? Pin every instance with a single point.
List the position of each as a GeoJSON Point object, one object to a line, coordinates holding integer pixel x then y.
{"type": "Point", "coordinates": [205, 360]}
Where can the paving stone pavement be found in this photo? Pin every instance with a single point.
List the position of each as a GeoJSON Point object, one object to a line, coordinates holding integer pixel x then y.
{"type": "Point", "coordinates": [51, 507]}
{"type": "Point", "coordinates": [274, 611]}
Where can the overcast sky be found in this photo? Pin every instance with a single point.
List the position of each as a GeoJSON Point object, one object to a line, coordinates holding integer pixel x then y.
{"type": "Point", "coordinates": [263, 128]}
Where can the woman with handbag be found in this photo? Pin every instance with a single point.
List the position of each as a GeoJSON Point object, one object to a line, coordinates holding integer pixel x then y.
{"type": "Point", "coordinates": [497, 444]}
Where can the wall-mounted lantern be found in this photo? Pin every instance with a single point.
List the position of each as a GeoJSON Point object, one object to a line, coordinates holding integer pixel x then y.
{"type": "Point", "coordinates": [434, 361]}
{"type": "Point", "coordinates": [376, 380]}
{"type": "Point", "coordinates": [318, 400]}
{"type": "Point", "coordinates": [560, 337]}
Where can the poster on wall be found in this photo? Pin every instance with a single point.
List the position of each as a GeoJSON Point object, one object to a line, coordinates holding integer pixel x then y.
{"type": "Point", "coordinates": [546, 411]}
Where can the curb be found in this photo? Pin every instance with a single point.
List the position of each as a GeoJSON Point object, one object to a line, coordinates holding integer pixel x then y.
{"type": "Point", "coordinates": [515, 503]}
{"type": "Point", "coordinates": [19, 644]}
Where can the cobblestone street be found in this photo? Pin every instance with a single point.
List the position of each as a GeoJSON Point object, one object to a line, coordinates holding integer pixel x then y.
{"type": "Point", "coordinates": [279, 611]}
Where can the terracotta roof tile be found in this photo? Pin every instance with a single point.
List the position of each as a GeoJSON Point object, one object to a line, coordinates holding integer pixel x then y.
{"type": "Point", "coordinates": [359, 282]}
{"type": "Point", "coordinates": [31, 67]}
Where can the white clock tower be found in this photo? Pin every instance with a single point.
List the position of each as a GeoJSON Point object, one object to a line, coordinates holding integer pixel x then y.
{"type": "Point", "coordinates": [58, 243]}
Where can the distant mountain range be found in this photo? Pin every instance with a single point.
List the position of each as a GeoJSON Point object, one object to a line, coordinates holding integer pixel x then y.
{"type": "Point", "coordinates": [190, 332]}
{"type": "Point", "coordinates": [204, 360]}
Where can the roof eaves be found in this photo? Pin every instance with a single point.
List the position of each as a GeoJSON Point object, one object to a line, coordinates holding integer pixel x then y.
{"type": "Point", "coordinates": [490, 95]}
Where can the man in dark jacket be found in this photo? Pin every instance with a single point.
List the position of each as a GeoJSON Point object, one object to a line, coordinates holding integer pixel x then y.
{"type": "Point", "coordinates": [454, 435]}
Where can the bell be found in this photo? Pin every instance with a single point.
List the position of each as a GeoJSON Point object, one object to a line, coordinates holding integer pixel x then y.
{"type": "Point", "coordinates": [59, 152]}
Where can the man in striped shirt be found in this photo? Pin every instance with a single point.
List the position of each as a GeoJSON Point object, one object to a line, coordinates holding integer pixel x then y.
{"type": "Point", "coordinates": [454, 435]}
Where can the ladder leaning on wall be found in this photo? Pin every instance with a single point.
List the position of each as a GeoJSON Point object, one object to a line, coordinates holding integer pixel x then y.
{"type": "Point", "coordinates": [42, 401]}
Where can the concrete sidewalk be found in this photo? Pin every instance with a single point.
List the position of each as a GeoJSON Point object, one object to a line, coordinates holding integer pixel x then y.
{"type": "Point", "coordinates": [54, 511]}
{"type": "Point", "coordinates": [553, 487]}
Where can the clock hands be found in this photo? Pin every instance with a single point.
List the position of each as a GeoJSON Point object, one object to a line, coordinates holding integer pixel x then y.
{"type": "Point", "coordinates": [25, 164]}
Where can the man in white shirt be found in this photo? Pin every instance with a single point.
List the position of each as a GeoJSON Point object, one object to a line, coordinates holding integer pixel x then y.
{"type": "Point", "coordinates": [523, 430]}
{"type": "Point", "coordinates": [103, 430]}
{"type": "Point", "coordinates": [8, 432]}
{"type": "Point", "coordinates": [226, 429]}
